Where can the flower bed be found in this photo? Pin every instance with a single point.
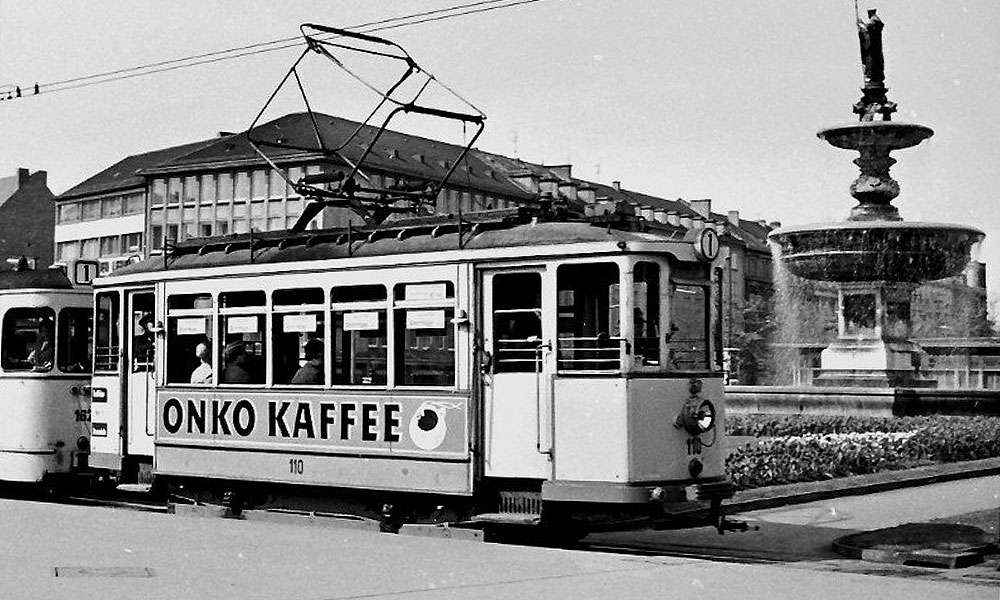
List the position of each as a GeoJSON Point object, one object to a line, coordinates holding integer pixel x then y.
{"type": "Point", "coordinates": [790, 449]}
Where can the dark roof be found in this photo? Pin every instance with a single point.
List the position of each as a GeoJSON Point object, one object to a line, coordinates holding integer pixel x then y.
{"type": "Point", "coordinates": [126, 173]}
{"type": "Point", "coordinates": [395, 152]}
{"type": "Point", "coordinates": [22, 280]}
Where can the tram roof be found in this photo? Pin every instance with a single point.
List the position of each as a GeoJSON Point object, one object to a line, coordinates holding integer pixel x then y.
{"type": "Point", "coordinates": [25, 280]}
{"type": "Point", "coordinates": [495, 229]}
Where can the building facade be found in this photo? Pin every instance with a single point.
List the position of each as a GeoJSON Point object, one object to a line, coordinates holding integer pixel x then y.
{"type": "Point", "coordinates": [26, 218]}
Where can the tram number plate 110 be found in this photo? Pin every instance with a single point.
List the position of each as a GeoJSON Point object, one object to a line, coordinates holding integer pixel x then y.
{"type": "Point", "coordinates": [694, 446]}
{"type": "Point", "coordinates": [296, 466]}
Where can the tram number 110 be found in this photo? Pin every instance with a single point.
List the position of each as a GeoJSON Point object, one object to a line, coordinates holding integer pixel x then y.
{"type": "Point", "coordinates": [694, 446]}
{"type": "Point", "coordinates": [296, 466]}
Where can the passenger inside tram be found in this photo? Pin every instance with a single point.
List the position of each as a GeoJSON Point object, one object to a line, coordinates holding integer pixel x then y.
{"type": "Point", "coordinates": [312, 371]}
{"type": "Point", "coordinates": [40, 357]}
{"type": "Point", "coordinates": [236, 358]}
{"type": "Point", "coordinates": [202, 374]}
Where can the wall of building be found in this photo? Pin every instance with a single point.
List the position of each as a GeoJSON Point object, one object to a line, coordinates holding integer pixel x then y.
{"type": "Point", "coordinates": [26, 217]}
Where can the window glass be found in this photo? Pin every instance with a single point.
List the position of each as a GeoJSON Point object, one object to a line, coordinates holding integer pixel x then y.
{"type": "Point", "coordinates": [134, 204]}
{"type": "Point", "coordinates": [425, 335]}
{"type": "Point", "coordinates": [241, 345]}
{"type": "Point", "coordinates": [277, 189]}
{"type": "Point", "coordinates": [258, 184]}
{"type": "Point", "coordinates": [174, 191]}
{"type": "Point", "coordinates": [68, 250]}
{"type": "Point", "coordinates": [143, 343]}
{"type": "Point", "coordinates": [208, 192]}
{"type": "Point", "coordinates": [133, 242]}
{"type": "Point", "coordinates": [687, 340]}
{"type": "Point", "coordinates": [111, 207]}
{"type": "Point", "coordinates": [225, 187]}
{"type": "Point", "coordinates": [646, 313]}
{"type": "Point", "coordinates": [28, 342]}
{"type": "Point", "coordinates": [294, 175]}
{"type": "Point", "coordinates": [91, 210]}
{"type": "Point", "coordinates": [191, 190]}
{"type": "Point", "coordinates": [156, 235]}
{"type": "Point", "coordinates": [189, 343]}
{"type": "Point", "coordinates": [517, 322]}
{"type": "Point", "coordinates": [110, 245]}
{"type": "Point", "coordinates": [589, 325]}
{"type": "Point", "coordinates": [158, 193]}
{"type": "Point", "coordinates": [297, 344]}
{"type": "Point", "coordinates": [91, 248]}
{"type": "Point", "coordinates": [360, 340]}
{"type": "Point", "coordinates": [75, 335]}
{"type": "Point", "coordinates": [106, 344]}
{"type": "Point", "coordinates": [242, 187]}
{"type": "Point", "coordinates": [69, 211]}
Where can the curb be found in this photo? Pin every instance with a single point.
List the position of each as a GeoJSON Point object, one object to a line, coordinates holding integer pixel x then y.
{"type": "Point", "coordinates": [799, 493]}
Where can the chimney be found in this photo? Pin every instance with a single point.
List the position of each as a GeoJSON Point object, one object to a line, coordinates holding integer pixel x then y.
{"type": "Point", "coordinates": [587, 194]}
{"type": "Point", "coordinates": [673, 218]}
{"type": "Point", "coordinates": [563, 171]}
{"type": "Point", "coordinates": [762, 222]}
{"type": "Point", "coordinates": [568, 189]}
{"type": "Point", "coordinates": [617, 185]}
{"type": "Point", "coordinates": [703, 207]}
{"type": "Point", "coordinates": [526, 180]}
{"type": "Point", "coordinates": [734, 218]}
{"type": "Point", "coordinates": [23, 176]}
{"type": "Point", "coordinates": [774, 224]}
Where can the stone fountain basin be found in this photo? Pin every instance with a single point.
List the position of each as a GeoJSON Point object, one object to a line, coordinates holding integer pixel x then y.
{"type": "Point", "coordinates": [891, 135]}
{"type": "Point", "coordinates": [870, 251]}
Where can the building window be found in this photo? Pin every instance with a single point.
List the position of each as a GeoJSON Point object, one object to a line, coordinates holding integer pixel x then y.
{"type": "Point", "coordinates": [156, 235]}
{"type": "Point", "coordinates": [242, 193]}
{"type": "Point", "coordinates": [67, 251]}
{"type": "Point", "coordinates": [91, 210]}
{"type": "Point", "coordinates": [258, 185]}
{"type": "Point", "coordinates": [68, 212]}
{"type": "Point", "coordinates": [191, 190]}
{"type": "Point", "coordinates": [158, 193]}
{"type": "Point", "coordinates": [134, 204]}
{"type": "Point", "coordinates": [225, 187]}
{"type": "Point", "coordinates": [174, 190]}
{"type": "Point", "coordinates": [91, 248]}
{"type": "Point", "coordinates": [277, 189]}
{"type": "Point", "coordinates": [133, 242]}
{"type": "Point", "coordinates": [110, 245]}
{"type": "Point", "coordinates": [111, 207]}
{"type": "Point", "coordinates": [208, 189]}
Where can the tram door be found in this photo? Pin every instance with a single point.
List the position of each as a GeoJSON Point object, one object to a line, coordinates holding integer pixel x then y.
{"type": "Point", "coordinates": [517, 374]}
{"type": "Point", "coordinates": [140, 376]}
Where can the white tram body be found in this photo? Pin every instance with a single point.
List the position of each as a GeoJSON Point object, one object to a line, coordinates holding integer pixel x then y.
{"type": "Point", "coordinates": [45, 328]}
{"type": "Point", "coordinates": [501, 364]}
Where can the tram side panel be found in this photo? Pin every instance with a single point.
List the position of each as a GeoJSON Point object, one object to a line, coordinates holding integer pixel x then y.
{"type": "Point", "coordinates": [398, 442]}
{"type": "Point", "coordinates": [42, 423]}
{"type": "Point", "coordinates": [106, 411]}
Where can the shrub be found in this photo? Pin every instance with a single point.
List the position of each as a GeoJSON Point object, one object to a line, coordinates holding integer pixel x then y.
{"type": "Point", "coordinates": [810, 448]}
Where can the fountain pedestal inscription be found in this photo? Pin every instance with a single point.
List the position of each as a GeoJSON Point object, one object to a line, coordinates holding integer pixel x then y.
{"type": "Point", "coordinates": [874, 258]}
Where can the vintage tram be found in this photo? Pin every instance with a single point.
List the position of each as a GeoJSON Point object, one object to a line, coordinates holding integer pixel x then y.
{"type": "Point", "coordinates": [504, 366]}
{"type": "Point", "coordinates": [45, 342]}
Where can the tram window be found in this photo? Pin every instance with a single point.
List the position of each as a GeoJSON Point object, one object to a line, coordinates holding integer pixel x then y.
{"type": "Point", "coordinates": [75, 335]}
{"type": "Point", "coordinates": [589, 323]}
{"type": "Point", "coordinates": [186, 363]}
{"type": "Point", "coordinates": [28, 340]}
{"type": "Point", "coordinates": [360, 339]}
{"type": "Point", "coordinates": [297, 337]}
{"type": "Point", "coordinates": [189, 301]}
{"type": "Point", "coordinates": [242, 348]}
{"type": "Point", "coordinates": [646, 313]}
{"type": "Point", "coordinates": [241, 299]}
{"type": "Point", "coordinates": [517, 321]}
{"type": "Point", "coordinates": [143, 340]}
{"type": "Point", "coordinates": [425, 335]}
{"type": "Point", "coordinates": [687, 341]}
{"type": "Point", "coordinates": [106, 346]}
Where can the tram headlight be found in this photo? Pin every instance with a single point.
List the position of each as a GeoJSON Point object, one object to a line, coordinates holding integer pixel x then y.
{"type": "Point", "coordinates": [83, 443]}
{"type": "Point", "coordinates": [697, 416]}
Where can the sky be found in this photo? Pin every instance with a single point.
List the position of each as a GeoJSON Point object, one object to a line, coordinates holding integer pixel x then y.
{"type": "Point", "coordinates": [708, 99]}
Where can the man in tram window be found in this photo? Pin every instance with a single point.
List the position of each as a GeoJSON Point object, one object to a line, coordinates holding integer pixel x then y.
{"type": "Point", "coordinates": [40, 357]}
{"type": "Point", "coordinates": [143, 344]}
{"type": "Point", "coordinates": [312, 371]}
{"type": "Point", "coordinates": [235, 355]}
{"type": "Point", "coordinates": [202, 374]}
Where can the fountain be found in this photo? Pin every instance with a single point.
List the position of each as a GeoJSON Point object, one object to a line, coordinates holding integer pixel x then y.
{"type": "Point", "coordinates": [874, 259]}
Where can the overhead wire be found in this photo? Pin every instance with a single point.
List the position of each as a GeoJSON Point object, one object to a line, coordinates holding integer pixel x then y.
{"type": "Point", "coordinates": [440, 14]}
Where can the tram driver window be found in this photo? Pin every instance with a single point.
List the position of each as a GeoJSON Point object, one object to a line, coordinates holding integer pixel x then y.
{"type": "Point", "coordinates": [425, 334]}
{"type": "Point", "coordinates": [646, 313]}
{"type": "Point", "coordinates": [589, 324]}
{"type": "Point", "coordinates": [297, 334]}
{"type": "Point", "coordinates": [28, 341]}
{"type": "Point", "coordinates": [242, 322]}
{"type": "Point", "coordinates": [687, 340]}
{"type": "Point", "coordinates": [75, 335]}
{"type": "Point", "coordinates": [106, 346]}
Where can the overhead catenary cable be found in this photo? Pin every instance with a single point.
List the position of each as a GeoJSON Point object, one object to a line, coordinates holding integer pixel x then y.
{"type": "Point", "coordinates": [482, 6]}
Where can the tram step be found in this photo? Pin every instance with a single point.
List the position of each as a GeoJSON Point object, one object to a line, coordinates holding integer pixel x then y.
{"type": "Point", "coordinates": [503, 518]}
{"type": "Point", "coordinates": [135, 488]}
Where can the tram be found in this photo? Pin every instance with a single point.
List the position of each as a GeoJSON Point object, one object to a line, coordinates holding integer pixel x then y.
{"type": "Point", "coordinates": [508, 365]}
{"type": "Point", "coordinates": [45, 343]}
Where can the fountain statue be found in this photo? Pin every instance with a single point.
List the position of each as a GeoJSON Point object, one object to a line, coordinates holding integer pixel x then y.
{"type": "Point", "coordinates": [875, 259]}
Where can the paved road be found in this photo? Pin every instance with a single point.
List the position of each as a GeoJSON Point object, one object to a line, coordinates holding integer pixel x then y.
{"type": "Point", "coordinates": [111, 554]}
